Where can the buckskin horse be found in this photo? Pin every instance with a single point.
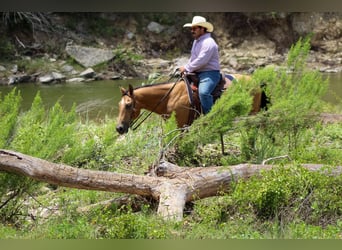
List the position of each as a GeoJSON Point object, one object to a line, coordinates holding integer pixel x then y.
{"type": "Point", "coordinates": [165, 98]}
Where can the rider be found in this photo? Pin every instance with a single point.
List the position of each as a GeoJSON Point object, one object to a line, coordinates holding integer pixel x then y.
{"type": "Point", "coordinates": [204, 60]}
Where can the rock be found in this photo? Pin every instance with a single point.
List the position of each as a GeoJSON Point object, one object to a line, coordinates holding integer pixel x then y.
{"type": "Point", "coordinates": [155, 27]}
{"type": "Point", "coordinates": [13, 79]}
{"type": "Point", "coordinates": [58, 76]}
{"type": "Point", "coordinates": [2, 68]}
{"type": "Point", "coordinates": [46, 78]}
{"type": "Point", "coordinates": [87, 56]}
{"type": "Point", "coordinates": [130, 35]}
{"type": "Point", "coordinates": [76, 79]}
{"type": "Point", "coordinates": [88, 73]}
{"type": "Point", "coordinates": [67, 68]}
{"type": "Point", "coordinates": [14, 69]}
{"type": "Point", "coordinates": [157, 62]}
{"type": "Point", "coordinates": [233, 62]}
{"type": "Point", "coordinates": [115, 77]}
{"type": "Point", "coordinates": [52, 77]}
{"type": "Point", "coordinates": [258, 47]}
{"type": "Point", "coordinates": [302, 25]}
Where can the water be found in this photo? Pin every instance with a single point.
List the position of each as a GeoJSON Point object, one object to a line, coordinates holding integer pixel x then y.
{"type": "Point", "coordinates": [93, 100]}
{"type": "Point", "coordinates": [96, 100]}
{"type": "Point", "coordinates": [334, 93]}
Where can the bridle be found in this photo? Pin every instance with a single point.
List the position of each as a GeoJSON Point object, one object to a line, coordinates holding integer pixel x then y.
{"type": "Point", "coordinates": [140, 119]}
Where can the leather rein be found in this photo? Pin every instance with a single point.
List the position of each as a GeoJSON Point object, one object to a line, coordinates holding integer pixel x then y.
{"type": "Point", "coordinates": [140, 119]}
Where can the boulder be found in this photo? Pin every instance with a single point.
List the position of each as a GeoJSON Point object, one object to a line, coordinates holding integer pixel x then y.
{"type": "Point", "coordinates": [88, 56]}
{"type": "Point", "coordinates": [52, 77]}
{"type": "Point", "coordinates": [88, 73]}
{"type": "Point", "coordinates": [76, 79]}
{"type": "Point", "coordinates": [155, 27]}
{"type": "Point", "coordinates": [46, 78]}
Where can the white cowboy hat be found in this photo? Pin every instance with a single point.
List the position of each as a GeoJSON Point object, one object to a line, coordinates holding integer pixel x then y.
{"type": "Point", "coordinates": [200, 21]}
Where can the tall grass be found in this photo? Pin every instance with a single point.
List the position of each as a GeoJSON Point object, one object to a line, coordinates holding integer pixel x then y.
{"type": "Point", "coordinates": [46, 135]}
{"type": "Point", "coordinates": [9, 110]}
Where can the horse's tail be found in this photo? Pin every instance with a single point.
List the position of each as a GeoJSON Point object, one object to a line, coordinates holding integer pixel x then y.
{"type": "Point", "coordinates": [265, 100]}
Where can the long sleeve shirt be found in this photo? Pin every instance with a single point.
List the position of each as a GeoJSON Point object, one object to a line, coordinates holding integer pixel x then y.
{"type": "Point", "coordinates": [204, 55]}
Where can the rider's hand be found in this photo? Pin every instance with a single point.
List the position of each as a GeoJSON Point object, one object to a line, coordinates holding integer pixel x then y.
{"type": "Point", "coordinates": [181, 69]}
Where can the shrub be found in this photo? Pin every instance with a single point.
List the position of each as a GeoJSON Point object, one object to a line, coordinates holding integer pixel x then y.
{"type": "Point", "coordinates": [220, 120]}
{"type": "Point", "coordinates": [296, 102]}
{"type": "Point", "coordinates": [43, 135]}
{"type": "Point", "coordinates": [125, 224]}
{"type": "Point", "coordinates": [9, 110]}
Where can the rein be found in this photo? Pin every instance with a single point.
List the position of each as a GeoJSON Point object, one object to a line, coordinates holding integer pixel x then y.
{"type": "Point", "coordinates": [136, 123]}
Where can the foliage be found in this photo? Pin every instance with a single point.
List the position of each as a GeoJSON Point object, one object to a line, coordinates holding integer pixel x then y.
{"type": "Point", "coordinates": [295, 105]}
{"type": "Point", "coordinates": [7, 49]}
{"type": "Point", "coordinates": [36, 20]}
{"type": "Point", "coordinates": [136, 151]}
{"type": "Point", "coordinates": [14, 191]}
{"type": "Point", "coordinates": [45, 136]}
{"type": "Point", "coordinates": [286, 202]}
{"type": "Point", "coordinates": [233, 103]}
{"type": "Point", "coordinates": [32, 66]}
{"type": "Point", "coordinates": [122, 54]}
{"type": "Point", "coordinates": [125, 224]}
{"type": "Point", "coordinates": [291, 193]}
{"type": "Point", "coordinates": [271, 205]}
{"type": "Point", "coordinates": [296, 102]}
{"type": "Point", "coordinates": [9, 110]}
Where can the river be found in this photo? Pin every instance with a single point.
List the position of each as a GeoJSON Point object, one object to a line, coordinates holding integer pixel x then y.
{"type": "Point", "coordinates": [96, 100]}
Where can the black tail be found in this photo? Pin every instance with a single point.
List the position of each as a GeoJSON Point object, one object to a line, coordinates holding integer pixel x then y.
{"type": "Point", "coordinates": [265, 100]}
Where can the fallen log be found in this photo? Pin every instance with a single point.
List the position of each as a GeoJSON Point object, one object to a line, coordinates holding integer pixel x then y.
{"type": "Point", "coordinates": [172, 185]}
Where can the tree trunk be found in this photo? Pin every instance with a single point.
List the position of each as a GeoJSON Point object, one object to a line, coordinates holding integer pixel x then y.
{"type": "Point", "coordinates": [172, 186]}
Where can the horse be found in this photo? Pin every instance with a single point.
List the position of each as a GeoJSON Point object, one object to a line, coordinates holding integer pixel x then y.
{"type": "Point", "coordinates": [165, 98]}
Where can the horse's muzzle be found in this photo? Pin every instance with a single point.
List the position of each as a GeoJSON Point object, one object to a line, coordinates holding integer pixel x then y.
{"type": "Point", "coordinates": [122, 128]}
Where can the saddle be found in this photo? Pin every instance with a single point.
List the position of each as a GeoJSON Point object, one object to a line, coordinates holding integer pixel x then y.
{"type": "Point", "coordinates": [225, 80]}
{"type": "Point", "coordinates": [191, 82]}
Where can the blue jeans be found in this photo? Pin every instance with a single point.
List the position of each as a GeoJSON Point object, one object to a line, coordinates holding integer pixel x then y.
{"type": "Point", "coordinates": [207, 83]}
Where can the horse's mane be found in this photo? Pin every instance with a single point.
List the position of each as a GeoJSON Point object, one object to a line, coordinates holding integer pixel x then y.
{"type": "Point", "coordinates": [152, 85]}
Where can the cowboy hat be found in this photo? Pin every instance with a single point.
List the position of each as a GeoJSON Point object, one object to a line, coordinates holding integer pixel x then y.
{"type": "Point", "coordinates": [200, 21]}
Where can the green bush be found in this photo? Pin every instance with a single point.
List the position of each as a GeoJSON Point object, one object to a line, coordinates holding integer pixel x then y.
{"type": "Point", "coordinates": [291, 193]}
{"type": "Point", "coordinates": [9, 110]}
{"type": "Point", "coordinates": [129, 225]}
{"type": "Point", "coordinates": [296, 102]}
{"type": "Point", "coordinates": [7, 49]}
{"type": "Point", "coordinates": [45, 135]}
{"type": "Point", "coordinates": [207, 129]}
{"type": "Point", "coordinates": [285, 202]}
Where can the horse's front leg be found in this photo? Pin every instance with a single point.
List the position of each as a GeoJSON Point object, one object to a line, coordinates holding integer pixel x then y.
{"type": "Point", "coordinates": [182, 115]}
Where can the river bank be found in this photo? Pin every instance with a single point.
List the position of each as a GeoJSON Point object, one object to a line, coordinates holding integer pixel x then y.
{"type": "Point", "coordinates": [140, 44]}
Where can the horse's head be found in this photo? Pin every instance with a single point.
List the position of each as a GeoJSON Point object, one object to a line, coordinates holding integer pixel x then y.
{"type": "Point", "coordinates": [127, 110]}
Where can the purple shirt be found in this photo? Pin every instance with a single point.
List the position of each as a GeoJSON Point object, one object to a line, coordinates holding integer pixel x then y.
{"type": "Point", "coordinates": [204, 55]}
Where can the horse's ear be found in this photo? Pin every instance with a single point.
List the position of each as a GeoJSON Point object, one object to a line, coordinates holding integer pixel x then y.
{"type": "Point", "coordinates": [130, 89]}
{"type": "Point", "coordinates": [123, 91]}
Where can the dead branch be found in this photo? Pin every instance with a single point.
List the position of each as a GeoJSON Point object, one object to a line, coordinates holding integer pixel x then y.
{"type": "Point", "coordinates": [172, 186]}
